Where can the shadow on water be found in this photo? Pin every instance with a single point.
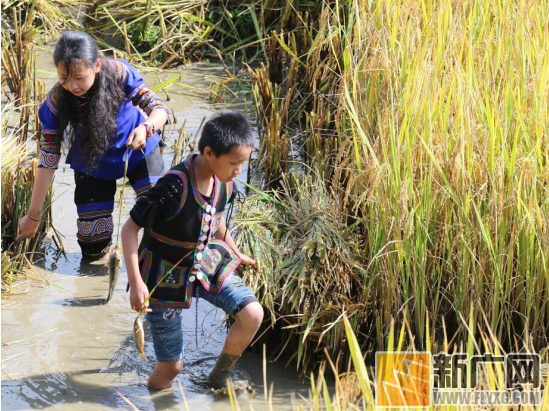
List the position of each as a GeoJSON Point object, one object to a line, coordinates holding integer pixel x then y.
{"type": "Point", "coordinates": [85, 269]}
{"type": "Point", "coordinates": [41, 391]}
{"type": "Point", "coordinates": [125, 372]}
{"type": "Point", "coordinates": [83, 302]}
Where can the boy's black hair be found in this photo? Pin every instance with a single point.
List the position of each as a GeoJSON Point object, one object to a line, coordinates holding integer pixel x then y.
{"type": "Point", "coordinates": [225, 130]}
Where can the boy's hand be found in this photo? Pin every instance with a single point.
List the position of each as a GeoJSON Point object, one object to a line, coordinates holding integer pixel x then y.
{"type": "Point", "coordinates": [245, 260]}
{"type": "Point", "coordinates": [138, 294]}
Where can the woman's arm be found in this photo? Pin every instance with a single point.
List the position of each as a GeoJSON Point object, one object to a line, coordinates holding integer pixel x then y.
{"type": "Point", "coordinates": [138, 137]}
{"type": "Point", "coordinates": [143, 97]}
{"type": "Point", "coordinates": [158, 118]}
{"type": "Point", "coordinates": [42, 182]}
{"type": "Point", "coordinates": [50, 154]}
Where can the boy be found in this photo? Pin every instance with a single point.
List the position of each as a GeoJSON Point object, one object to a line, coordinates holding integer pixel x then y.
{"type": "Point", "coordinates": [182, 252]}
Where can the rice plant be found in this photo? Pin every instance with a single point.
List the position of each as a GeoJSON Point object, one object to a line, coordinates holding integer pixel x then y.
{"type": "Point", "coordinates": [459, 210]}
{"type": "Point", "coordinates": [356, 388]}
{"type": "Point", "coordinates": [429, 123]}
{"type": "Point", "coordinates": [47, 18]}
{"type": "Point", "coordinates": [310, 271]}
{"type": "Point", "coordinates": [18, 170]}
{"type": "Point", "coordinates": [154, 31]}
{"type": "Point", "coordinates": [18, 55]}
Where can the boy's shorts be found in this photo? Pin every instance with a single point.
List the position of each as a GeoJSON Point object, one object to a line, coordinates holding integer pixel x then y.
{"type": "Point", "coordinates": [165, 323]}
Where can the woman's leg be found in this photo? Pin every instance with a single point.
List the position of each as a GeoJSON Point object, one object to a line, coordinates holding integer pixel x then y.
{"type": "Point", "coordinates": [94, 199]}
{"type": "Point", "coordinates": [147, 172]}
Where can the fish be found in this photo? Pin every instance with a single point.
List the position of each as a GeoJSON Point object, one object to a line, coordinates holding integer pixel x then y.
{"type": "Point", "coordinates": [139, 335]}
{"type": "Point", "coordinates": [115, 264]}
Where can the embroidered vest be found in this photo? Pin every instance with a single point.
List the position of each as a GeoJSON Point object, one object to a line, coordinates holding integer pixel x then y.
{"type": "Point", "coordinates": [181, 253]}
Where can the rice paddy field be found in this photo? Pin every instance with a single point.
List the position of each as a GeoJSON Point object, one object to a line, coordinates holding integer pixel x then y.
{"type": "Point", "coordinates": [399, 198]}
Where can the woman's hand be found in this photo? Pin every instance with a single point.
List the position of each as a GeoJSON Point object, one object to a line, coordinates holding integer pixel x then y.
{"type": "Point", "coordinates": [27, 228]}
{"type": "Point", "coordinates": [138, 138]}
{"type": "Point", "coordinates": [245, 260]}
{"type": "Point", "coordinates": [138, 294]}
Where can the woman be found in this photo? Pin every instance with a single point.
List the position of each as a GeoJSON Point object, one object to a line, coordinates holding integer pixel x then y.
{"type": "Point", "coordinates": [93, 109]}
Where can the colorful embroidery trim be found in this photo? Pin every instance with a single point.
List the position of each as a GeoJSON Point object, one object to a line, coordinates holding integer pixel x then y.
{"type": "Point", "coordinates": [171, 241]}
{"type": "Point", "coordinates": [49, 160]}
{"type": "Point", "coordinates": [145, 262]}
{"type": "Point", "coordinates": [171, 304]}
{"type": "Point", "coordinates": [186, 303]}
{"type": "Point", "coordinates": [95, 221]}
{"type": "Point", "coordinates": [198, 197]}
{"type": "Point", "coordinates": [225, 272]}
{"type": "Point", "coordinates": [211, 260]}
{"type": "Point", "coordinates": [121, 71]}
{"type": "Point", "coordinates": [95, 230]}
{"type": "Point", "coordinates": [142, 186]}
{"type": "Point", "coordinates": [52, 97]}
{"type": "Point", "coordinates": [171, 277]}
{"type": "Point", "coordinates": [146, 99]}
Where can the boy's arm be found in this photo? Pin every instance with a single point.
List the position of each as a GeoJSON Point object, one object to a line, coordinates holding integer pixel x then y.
{"type": "Point", "coordinates": [220, 234]}
{"type": "Point", "coordinates": [138, 289]}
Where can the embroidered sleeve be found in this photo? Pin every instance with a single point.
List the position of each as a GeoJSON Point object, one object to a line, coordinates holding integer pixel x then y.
{"type": "Point", "coordinates": [147, 100]}
{"type": "Point", "coordinates": [50, 146]}
{"type": "Point", "coordinates": [136, 90]}
{"type": "Point", "coordinates": [162, 202]}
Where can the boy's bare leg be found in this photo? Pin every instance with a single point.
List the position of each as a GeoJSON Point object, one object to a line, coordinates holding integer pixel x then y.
{"type": "Point", "coordinates": [239, 337]}
{"type": "Point", "coordinates": [243, 330]}
{"type": "Point", "coordinates": [164, 373]}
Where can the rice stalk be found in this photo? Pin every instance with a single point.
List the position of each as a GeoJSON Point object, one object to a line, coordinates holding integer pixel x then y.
{"type": "Point", "coordinates": [429, 124]}
{"type": "Point", "coordinates": [309, 271]}
{"type": "Point", "coordinates": [46, 18]}
{"type": "Point", "coordinates": [18, 170]}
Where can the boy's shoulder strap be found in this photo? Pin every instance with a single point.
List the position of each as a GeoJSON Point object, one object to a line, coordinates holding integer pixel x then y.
{"type": "Point", "coordinates": [181, 167]}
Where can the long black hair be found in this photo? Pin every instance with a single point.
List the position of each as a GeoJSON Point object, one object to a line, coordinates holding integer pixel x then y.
{"type": "Point", "coordinates": [99, 120]}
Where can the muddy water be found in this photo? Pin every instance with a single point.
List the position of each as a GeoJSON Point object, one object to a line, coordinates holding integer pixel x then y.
{"type": "Point", "coordinates": [63, 348]}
